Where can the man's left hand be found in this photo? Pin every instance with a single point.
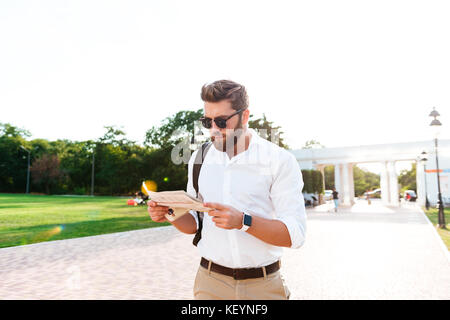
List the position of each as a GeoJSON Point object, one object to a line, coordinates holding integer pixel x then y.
{"type": "Point", "coordinates": [225, 217]}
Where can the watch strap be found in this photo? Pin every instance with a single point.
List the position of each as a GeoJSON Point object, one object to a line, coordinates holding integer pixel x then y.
{"type": "Point", "coordinates": [245, 225]}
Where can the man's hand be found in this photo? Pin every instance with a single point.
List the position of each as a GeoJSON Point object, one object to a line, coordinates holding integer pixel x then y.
{"type": "Point", "coordinates": [225, 217]}
{"type": "Point", "coordinates": [157, 212]}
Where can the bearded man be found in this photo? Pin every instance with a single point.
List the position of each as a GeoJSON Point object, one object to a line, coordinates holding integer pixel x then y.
{"type": "Point", "coordinates": [254, 189]}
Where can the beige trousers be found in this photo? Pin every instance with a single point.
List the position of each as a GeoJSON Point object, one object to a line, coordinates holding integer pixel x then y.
{"type": "Point", "coordinates": [211, 285]}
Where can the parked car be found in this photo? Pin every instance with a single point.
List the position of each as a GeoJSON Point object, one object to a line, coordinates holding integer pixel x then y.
{"type": "Point", "coordinates": [374, 193]}
{"type": "Point", "coordinates": [410, 195]}
{"type": "Point", "coordinates": [311, 199]}
{"type": "Point", "coordinates": [328, 195]}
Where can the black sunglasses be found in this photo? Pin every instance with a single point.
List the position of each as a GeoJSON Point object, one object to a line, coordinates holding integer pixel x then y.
{"type": "Point", "coordinates": [220, 122]}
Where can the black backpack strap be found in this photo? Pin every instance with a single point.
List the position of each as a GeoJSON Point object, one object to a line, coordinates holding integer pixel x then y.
{"type": "Point", "coordinates": [195, 175]}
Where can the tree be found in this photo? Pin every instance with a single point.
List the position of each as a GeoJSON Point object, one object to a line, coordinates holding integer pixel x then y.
{"type": "Point", "coordinates": [8, 130]}
{"type": "Point", "coordinates": [65, 166]}
{"type": "Point", "coordinates": [173, 129]}
{"type": "Point", "coordinates": [407, 179]}
{"type": "Point", "coordinates": [160, 141]}
{"type": "Point", "coordinates": [115, 137]}
{"type": "Point", "coordinates": [313, 182]}
{"type": "Point", "coordinates": [76, 163]}
{"type": "Point", "coordinates": [312, 144]}
{"type": "Point", "coordinates": [363, 180]}
{"type": "Point", "coordinates": [119, 163]}
{"type": "Point", "coordinates": [46, 172]}
{"type": "Point", "coordinates": [317, 181]}
{"type": "Point", "coordinates": [264, 126]}
{"type": "Point", "coordinates": [329, 177]}
{"type": "Point", "coordinates": [13, 159]}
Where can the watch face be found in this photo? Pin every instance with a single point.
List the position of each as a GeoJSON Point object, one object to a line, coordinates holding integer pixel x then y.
{"type": "Point", "coordinates": [247, 220]}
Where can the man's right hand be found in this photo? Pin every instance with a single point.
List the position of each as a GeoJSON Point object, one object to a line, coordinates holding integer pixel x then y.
{"type": "Point", "coordinates": [157, 212]}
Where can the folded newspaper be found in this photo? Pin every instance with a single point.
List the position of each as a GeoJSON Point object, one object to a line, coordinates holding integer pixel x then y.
{"type": "Point", "coordinates": [179, 202]}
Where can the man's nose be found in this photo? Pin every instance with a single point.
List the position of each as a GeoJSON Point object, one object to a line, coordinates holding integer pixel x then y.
{"type": "Point", "coordinates": [214, 126]}
{"type": "Point", "coordinates": [215, 130]}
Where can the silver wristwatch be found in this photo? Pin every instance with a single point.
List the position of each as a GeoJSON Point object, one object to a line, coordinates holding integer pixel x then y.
{"type": "Point", "coordinates": [246, 221]}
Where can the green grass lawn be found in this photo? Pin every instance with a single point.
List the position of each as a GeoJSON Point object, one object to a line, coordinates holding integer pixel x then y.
{"type": "Point", "coordinates": [26, 219]}
{"type": "Point", "coordinates": [432, 214]}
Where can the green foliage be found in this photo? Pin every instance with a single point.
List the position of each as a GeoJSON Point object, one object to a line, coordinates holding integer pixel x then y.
{"type": "Point", "coordinates": [173, 129]}
{"type": "Point", "coordinates": [307, 181]}
{"type": "Point", "coordinates": [120, 164]}
{"type": "Point", "coordinates": [407, 179]}
{"type": "Point", "coordinates": [164, 167]}
{"type": "Point", "coordinates": [76, 163]}
{"type": "Point", "coordinates": [8, 130]}
{"type": "Point", "coordinates": [115, 137]}
{"type": "Point", "coordinates": [46, 172]}
{"type": "Point", "coordinates": [65, 166]}
{"type": "Point", "coordinates": [313, 182]}
{"type": "Point", "coordinates": [329, 177]}
{"type": "Point", "coordinates": [317, 181]}
{"type": "Point", "coordinates": [13, 159]}
{"type": "Point", "coordinates": [363, 180]}
{"type": "Point", "coordinates": [311, 144]}
{"type": "Point", "coordinates": [267, 127]}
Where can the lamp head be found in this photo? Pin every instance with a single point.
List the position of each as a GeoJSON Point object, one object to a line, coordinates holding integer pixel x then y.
{"type": "Point", "coordinates": [434, 113]}
{"type": "Point", "coordinates": [435, 123]}
{"type": "Point", "coordinates": [423, 157]}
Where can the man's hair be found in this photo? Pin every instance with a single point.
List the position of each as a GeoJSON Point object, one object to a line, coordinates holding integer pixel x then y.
{"type": "Point", "coordinates": [226, 90]}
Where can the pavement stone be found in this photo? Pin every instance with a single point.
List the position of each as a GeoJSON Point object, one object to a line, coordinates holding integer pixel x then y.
{"type": "Point", "coordinates": [360, 252]}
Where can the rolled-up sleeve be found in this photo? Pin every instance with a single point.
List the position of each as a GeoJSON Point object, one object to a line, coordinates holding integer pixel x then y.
{"type": "Point", "coordinates": [190, 185]}
{"type": "Point", "coordinates": [287, 198]}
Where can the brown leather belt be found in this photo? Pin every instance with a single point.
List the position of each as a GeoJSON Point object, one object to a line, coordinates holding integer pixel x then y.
{"type": "Point", "coordinates": [243, 273]}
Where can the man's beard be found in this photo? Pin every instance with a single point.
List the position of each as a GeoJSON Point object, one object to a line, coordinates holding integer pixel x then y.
{"type": "Point", "coordinates": [229, 142]}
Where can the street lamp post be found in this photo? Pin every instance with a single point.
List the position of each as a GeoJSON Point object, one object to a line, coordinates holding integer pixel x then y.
{"type": "Point", "coordinates": [424, 160]}
{"type": "Point", "coordinates": [436, 125]}
{"type": "Point", "coordinates": [91, 148]}
{"type": "Point", "coordinates": [93, 172]}
{"type": "Point", "coordinates": [28, 171]}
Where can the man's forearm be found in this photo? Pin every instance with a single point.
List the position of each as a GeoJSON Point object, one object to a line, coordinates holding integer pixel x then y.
{"type": "Point", "coordinates": [273, 232]}
{"type": "Point", "coordinates": [186, 224]}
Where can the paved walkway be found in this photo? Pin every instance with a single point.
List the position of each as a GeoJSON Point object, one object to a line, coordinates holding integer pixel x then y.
{"type": "Point", "coordinates": [363, 252]}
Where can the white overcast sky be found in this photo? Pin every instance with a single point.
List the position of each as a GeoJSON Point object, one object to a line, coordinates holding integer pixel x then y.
{"type": "Point", "coordinates": [344, 73]}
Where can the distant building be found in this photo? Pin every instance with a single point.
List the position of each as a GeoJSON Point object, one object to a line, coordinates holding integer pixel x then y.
{"type": "Point", "coordinates": [345, 158]}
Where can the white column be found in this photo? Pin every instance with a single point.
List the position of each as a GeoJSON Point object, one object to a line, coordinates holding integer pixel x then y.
{"type": "Point", "coordinates": [384, 184]}
{"type": "Point", "coordinates": [322, 170]}
{"type": "Point", "coordinates": [393, 183]}
{"type": "Point", "coordinates": [337, 180]}
{"type": "Point", "coordinates": [352, 183]}
{"type": "Point", "coordinates": [346, 184]}
{"type": "Point", "coordinates": [420, 182]}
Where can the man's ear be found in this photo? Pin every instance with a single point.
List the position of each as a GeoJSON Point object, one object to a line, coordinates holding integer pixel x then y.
{"type": "Point", "coordinates": [245, 116]}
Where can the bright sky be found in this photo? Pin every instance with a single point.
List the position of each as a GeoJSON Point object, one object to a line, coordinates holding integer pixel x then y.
{"type": "Point", "coordinates": [341, 72]}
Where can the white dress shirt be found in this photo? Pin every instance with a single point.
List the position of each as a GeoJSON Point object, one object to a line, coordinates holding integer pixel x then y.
{"type": "Point", "coordinates": [265, 181]}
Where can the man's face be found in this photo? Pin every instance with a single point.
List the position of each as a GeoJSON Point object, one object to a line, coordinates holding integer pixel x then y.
{"type": "Point", "coordinates": [223, 109]}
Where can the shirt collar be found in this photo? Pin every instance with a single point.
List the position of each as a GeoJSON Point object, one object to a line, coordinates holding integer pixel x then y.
{"type": "Point", "coordinates": [256, 139]}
